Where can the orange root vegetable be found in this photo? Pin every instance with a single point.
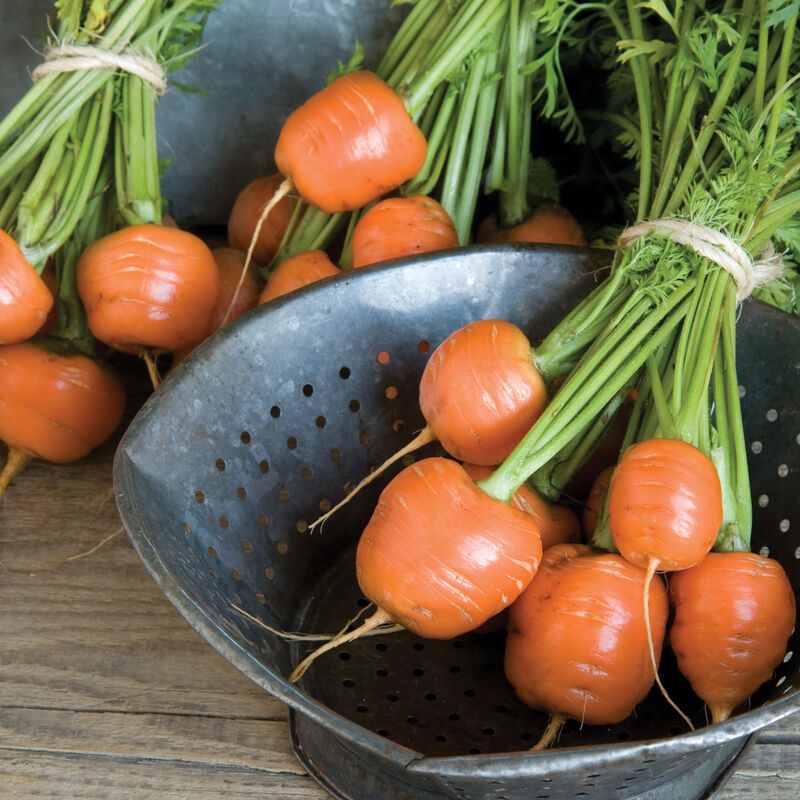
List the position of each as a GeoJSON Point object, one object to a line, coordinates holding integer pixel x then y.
{"type": "Point", "coordinates": [558, 525]}
{"type": "Point", "coordinates": [25, 300]}
{"type": "Point", "coordinates": [480, 393]}
{"type": "Point", "coordinates": [349, 144]}
{"type": "Point", "coordinates": [664, 510]}
{"type": "Point", "coordinates": [298, 271]}
{"type": "Point", "coordinates": [439, 556]}
{"type": "Point", "coordinates": [54, 406]}
{"type": "Point", "coordinates": [595, 502]}
{"type": "Point", "coordinates": [148, 289]}
{"type": "Point", "coordinates": [402, 226]}
{"type": "Point", "coordinates": [577, 641]}
{"type": "Point", "coordinates": [665, 504]}
{"type": "Point", "coordinates": [233, 299]}
{"type": "Point", "coordinates": [550, 223]}
{"type": "Point", "coordinates": [245, 214]}
{"type": "Point", "coordinates": [734, 613]}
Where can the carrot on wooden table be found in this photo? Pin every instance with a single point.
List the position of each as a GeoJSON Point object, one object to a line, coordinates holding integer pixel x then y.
{"type": "Point", "coordinates": [148, 289]}
{"type": "Point", "coordinates": [577, 642]}
{"type": "Point", "coordinates": [54, 405]}
{"type": "Point", "coordinates": [479, 393]}
{"type": "Point", "coordinates": [298, 271]}
{"type": "Point", "coordinates": [439, 556]}
{"type": "Point", "coordinates": [402, 226]}
{"type": "Point", "coordinates": [25, 299]}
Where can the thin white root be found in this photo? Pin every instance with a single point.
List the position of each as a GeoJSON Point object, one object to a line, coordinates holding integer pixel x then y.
{"type": "Point", "coordinates": [652, 566]}
{"type": "Point", "coordinates": [312, 637]}
{"type": "Point", "coordinates": [281, 192]}
{"type": "Point", "coordinates": [96, 547]}
{"type": "Point", "coordinates": [152, 368]}
{"type": "Point", "coordinates": [550, 732]}
{"type": "Point", "coordinates": [380, 617]}
{"type": "Point", "coordinates": [17, 461]}
{"type": "Point", "coordinates": [425, 436]}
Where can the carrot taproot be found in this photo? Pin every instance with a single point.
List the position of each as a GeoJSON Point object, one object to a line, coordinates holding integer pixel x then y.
{"type": "Point", "coordinates": [350, 143]}
{"type": "Point", "coordinates": [402, 226]}
{"type": "Point", "coordinates": [734, 613]}
{"type": "Point", "coordinates": [439, 556]}
{"type": "Point", "coordinates": [54, 405]}
{"type": "Point", "coordinates": [577, 643]}
{"type": "Point", "coordinates": [148, 289]}
{"type": "Point", "coordinates": [664, 510]}
{"type": "Point", "coordinates": [664, 504]}
{"type": "Point", "coordinates": [245, 214]}
{"type": "Point", "coordinates": [595, 502]}
{"type": "Point", "coordinates": [298, 271]}
{"type": "Point", "coordinates": [479, 393]}
{"type": "Point", "coordinates": [25, 299]}
{"type": "Point", "coordinates": [550, 223]}
{"type": "Point", "coordinates": [558, 524]}
{"type": "Point", "coordinates": [233, 298]}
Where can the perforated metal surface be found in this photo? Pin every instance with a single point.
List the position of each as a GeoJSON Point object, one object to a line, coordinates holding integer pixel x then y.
{"type": "Point", "coordinates": [274, 419]}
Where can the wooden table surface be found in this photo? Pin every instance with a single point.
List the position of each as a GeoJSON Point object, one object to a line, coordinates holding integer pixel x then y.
{"type": "Point", "coordinates": [106, 692]}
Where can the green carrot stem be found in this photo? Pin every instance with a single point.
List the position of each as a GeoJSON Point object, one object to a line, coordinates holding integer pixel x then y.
{"type": "Point", "coordinates": [591, 385]}
{"type": "Point", "coordinates": [781, 79]}
{"type": "Point", "coordinates": [440, 137]}
{"type": "Point", "coordinates": [417, 23]}
{"type": "Point", "coordinates": [14, 195]}
{"type": "Point", "coordinates": [714, 114]}
{"type": "Point", "coordinates": [460, 43]}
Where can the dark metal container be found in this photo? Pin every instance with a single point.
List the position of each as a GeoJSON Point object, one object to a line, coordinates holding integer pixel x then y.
{"type": "Point", "coordinates": [275, 417]}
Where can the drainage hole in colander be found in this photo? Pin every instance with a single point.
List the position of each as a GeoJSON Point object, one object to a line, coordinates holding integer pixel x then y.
{"type": "Point", "coordinates": [199, 496]}
{"type": "Point", "coordinates": [291, 443]}
{"type": "Point", "coordinates": [307, 473]}
{"type": "Point", "coordinates": [354, 405]}
{"type": "Point", "coordinates": [224, 523]}
{"type": "Point", "coordinates": [263, 467]}
{"type": "Point", "coordinates": [247, 548]}
{"type": "Point", "coordinates": [398, 425]}
{"type": "Point", "coordinates": [262, 598]}
{"type": "Point", "coordinates": [308, 390]}
{"type": "Point", "coordinates": [262, 521]}
{"type": "Point", "coordinates": [283, 494]}
{"type": "Point", "coordinates": [275, 412]}
{"type": "Point", "coordinates": [301, 526]}
{"type": "Point", "coordinates": [391, 392]}
{"type": "Point", "coordinates": [336, 454]}
{"type": "Point", "coordinates": [320, 421]}
{"type": "Point", "coordinates": [236, 599]}
{"type": "Point", "coordinates": [269, 573]}
{"type": "Point", "coordinates": [424, 346]}
{"type": "Point", "coordinates": [365, 438]}
{"type": "Point", "coordinates": [797, 553]}
{"type": "Point", "coordinates": [383, 357]}
{"type": "Point", "coordinates": [784, 525]}
{"type": "Point", "coordinates": [245, 437]}
{"type": "Point", "coordinates": [344, 373]}
{"type": "Point", "coordinates": [764, 552]}
{"type": "Point", "coordinates": [763, 501]}
{"type": "Point", "coordinates": [212, 551]}
{"type": "Point", "coordinates": [220, 463]}
{"type": "Point", "coordinates": [756, 447]}
{"type": "Point", "coordinates": [783, 471]}
{"type": "Point", "coordinates": [241, 493]}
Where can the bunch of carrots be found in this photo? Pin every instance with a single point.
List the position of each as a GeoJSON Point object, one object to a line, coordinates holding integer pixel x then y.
{"type": "Point", "coordinates": [702, 99]}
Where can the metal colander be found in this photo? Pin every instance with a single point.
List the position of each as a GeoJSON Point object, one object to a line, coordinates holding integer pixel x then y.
{"type": "Point", "coordinates": [274, 419]}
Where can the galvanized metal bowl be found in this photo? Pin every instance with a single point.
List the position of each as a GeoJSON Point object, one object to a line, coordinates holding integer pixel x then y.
{"type": "Point", "coordinates": [273, 420]}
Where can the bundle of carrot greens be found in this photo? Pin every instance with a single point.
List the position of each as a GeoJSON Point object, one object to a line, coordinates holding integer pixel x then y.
{"type": "Point", "coordinates": [78, 155]}
{"type": "Point", "coordinates": [78, 161]}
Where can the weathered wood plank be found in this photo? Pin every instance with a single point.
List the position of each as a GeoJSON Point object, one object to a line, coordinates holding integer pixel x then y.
{"type": "Point", "coordinates": [48, 776]}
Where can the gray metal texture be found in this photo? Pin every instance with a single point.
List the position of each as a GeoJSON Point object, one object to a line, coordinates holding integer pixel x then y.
{"type": "Point", "coordinates": [271, 421]}
{"type": "Point", "coordinates": [260, 60]}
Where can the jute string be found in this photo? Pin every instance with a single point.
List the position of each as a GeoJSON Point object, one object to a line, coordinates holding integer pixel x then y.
{"type": "Point", "coordinates": [69, 58]}
{"type": "Point", "coordinates": [716, 246]}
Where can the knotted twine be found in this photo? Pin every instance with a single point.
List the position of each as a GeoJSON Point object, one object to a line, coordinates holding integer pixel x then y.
{"type": "Point", "coordinates": [70, 58]}
{"type": "Point", "coordinates": [717, 247]}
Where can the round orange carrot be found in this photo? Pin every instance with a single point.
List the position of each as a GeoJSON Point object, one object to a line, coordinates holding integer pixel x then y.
{"type": "Point", "coordinates": [25, 300]}
{"type": "Point", "coordinates": [402, 226]}
{"type": "Point", "coordinates": [550, 223]}
{"type": "Point", "coordinates": [557, 523]}
{"type": "Point", "coordinates": [734, 613]}
{"type": "Point", "coordinates": [480, 392]}
{"type": "Point", "coordinates": [53, 405]}
{"type": "Point", "coordinates": [245, 214]}
{"type": "Point", "coordinates": [439, 556]}
{"type": "Point", "coordinates": [577, 640]}
{"type": "Point", "coordinates": [298, 271]}
{"type": "Point", "coordinates": [595, 502]}
{"type": "Point", "coordinates": [350, 143]}
{"type": "Point", "coordinates": [148, 288]}
{"type": "Point", "coordinates": [664, 504]}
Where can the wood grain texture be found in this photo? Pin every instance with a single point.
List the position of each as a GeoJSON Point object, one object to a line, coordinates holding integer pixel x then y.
{"type": "Point", "coordinates": [106, 691]}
